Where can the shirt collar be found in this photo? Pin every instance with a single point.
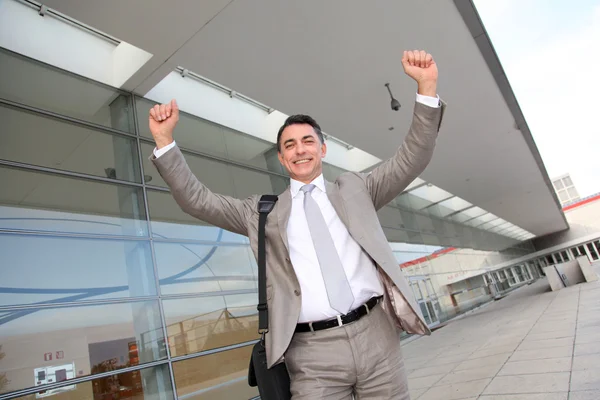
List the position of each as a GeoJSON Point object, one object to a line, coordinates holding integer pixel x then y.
{"type": "Point", "coordinates": [295, 185]}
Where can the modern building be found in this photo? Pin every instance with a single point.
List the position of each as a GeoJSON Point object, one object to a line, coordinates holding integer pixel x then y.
{"type": "Point", "coordinates": [108, 290]}
{"type": "Point", "coordinates": [565, 189]}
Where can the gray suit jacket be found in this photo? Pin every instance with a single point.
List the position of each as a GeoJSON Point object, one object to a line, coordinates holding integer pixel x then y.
{"type": "Point", "coordinates": [356, 198]}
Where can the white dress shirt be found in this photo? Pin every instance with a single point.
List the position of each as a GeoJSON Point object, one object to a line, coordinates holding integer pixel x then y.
{"type": "Point", "coordinates": [358, 266]}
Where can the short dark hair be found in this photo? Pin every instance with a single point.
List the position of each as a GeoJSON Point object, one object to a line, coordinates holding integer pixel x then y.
{"type": "Point", "coordinates": [299, 119]}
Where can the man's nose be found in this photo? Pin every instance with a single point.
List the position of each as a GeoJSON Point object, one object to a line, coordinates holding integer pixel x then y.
{"type": "Point", "coordinates": [300, 149]}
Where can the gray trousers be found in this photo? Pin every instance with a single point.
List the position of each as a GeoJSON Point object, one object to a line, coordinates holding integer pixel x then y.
{"type": "Point", "coordinates": [361, 360]}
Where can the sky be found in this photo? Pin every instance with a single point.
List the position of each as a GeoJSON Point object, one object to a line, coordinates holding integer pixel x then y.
{"type": "Point", "coordinates": [550, 52]}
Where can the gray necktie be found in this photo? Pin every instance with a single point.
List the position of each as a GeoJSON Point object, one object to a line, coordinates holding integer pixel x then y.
{"type": "Point", "coordinates": [338, 289]}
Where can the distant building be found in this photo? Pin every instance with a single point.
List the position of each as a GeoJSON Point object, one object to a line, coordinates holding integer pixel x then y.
{"type": "Point", "coordinates": [565, 189]}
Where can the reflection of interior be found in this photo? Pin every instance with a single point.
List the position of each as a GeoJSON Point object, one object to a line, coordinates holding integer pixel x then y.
{"type": "Point", "coordinates": [216, 376]}
{"type": "Point", "coordinates": [213, 330]}
{"type": "Point", "coordinates": [53, 374]}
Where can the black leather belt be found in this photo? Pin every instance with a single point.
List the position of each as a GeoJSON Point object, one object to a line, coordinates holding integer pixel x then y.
{"type": "Point", "coordinates": [352, 316]}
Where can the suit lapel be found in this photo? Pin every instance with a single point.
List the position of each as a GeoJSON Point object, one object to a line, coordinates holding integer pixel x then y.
{"type": "Point", "coordinates": [284, 208]}
{"type": "Point", "coordinates": [333, 193]}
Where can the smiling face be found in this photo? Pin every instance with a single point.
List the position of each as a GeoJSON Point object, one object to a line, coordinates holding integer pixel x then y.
{"type": "Point", "coordinates": [301, 152]}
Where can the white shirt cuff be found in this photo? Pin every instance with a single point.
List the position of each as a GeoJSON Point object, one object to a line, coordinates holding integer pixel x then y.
{"type": "Point", "coordinates": [160, 152]}
{"type": "Point", "coordinates": [428, 100]}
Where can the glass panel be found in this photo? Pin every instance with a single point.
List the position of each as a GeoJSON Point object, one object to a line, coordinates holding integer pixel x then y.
{"type": "Point", "coordinates": [214, 174]}
{"type": "Point", "coordinates": [415, 183]}
{"type": "Point", "coordinates": [52, 203]}
{"type": "Point", "coordinates": [567, 181]}
{"type": "Point", "coordinates": [208, 322]}
{"type": "Point", "coordinates": [563, 195]}
{"type": "Point", "coordinates": [481, 220]}
{"type": "Point", "coordinates": [558, 184]}
{"type": "Point", "coordinates": [468, 214]}
{"type": "Point", "coordinates": [572, 193]}
{"type": "Point", "coordinates": [170, 222]}
{"type": "Point", "coordinates": [149, 383]}
{"type": "Point", "coordinates": [48, 142]}
{"type": "Point", "coordinates": [455, 204]}
{"type": "Point", "coordinates": [423, 288]}
{"type": "Point", "coordinates": [330, 172]}
{"type": "Point", "coordinates": [425, 313]}
{"type": "Point", "coordinates": [430, 193]}
{"type": "Point", "coordinates": [417, 290]}
{"type": "Point", "coordinates": [43, 269]}
{"type": "Point", "coordinates": [431, 312]}
{"type": "Point", "coordinates": [216, 376]}
{"type": "Point", "coordinates": [499, 228]}
{"type": "Point", "coordinates": [194, 268]}
{"type": "Point", "coordinates": [592, 251]}
{"type": "Point", "coordinates": [192, 132]}
{"type": "Point", "coordinates": [248, 182]}
{"type": "Point", "coordinates": [430, 288]}
{"type": "Point", "coordinates": [251, 150]}
{"type": "Point", "coordinates": [34, 84]}
{"type": "Point", "coordinates": [93, 339]}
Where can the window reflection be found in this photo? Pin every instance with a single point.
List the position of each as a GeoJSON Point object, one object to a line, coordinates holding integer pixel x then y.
{"type": "Point", "coordinates": [67, 146]}
{"type": "Point", "coordinates": [70, 269]}
{"type": "Point", "coordinates": [217, 376]}
{"type": "Point", "coordinates": [195, 268]}
{"type": "Point", "coordinates": [204, 323]}
{"type": "Point", "coordinates": [54, 90]}
{"type": "Point", "coordinates": [248, 183]}
{"type": "Point", "coordinates": [192, 132]}
{"type": "Point", "coordinates": [168, 221]}
{"type": "Point", "coordinates": [84, 340]}
{"type": "Point", "coordinates": [52, 203]}
{"type": "Point", "coordinates": [150, 383]}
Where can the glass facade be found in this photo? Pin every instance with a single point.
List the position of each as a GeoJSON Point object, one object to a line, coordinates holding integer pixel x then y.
{"type": "Point", "coordinates": [109, 290]}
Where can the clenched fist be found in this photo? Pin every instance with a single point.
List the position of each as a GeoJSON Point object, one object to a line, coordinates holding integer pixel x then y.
{"type": "Point", "coordinates": [162, 121]}
{"type": "Point", "coordinates": [420, 66]}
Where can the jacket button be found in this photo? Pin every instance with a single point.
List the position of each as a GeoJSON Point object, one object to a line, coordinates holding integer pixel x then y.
{"type": "Point", "coordinates": [287, 259]}
{"type": "Point", "coordinates": [297, 292]}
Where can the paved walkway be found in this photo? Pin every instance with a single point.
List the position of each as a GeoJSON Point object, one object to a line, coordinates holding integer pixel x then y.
{"type": "Point", "coordinates": [532, 345]}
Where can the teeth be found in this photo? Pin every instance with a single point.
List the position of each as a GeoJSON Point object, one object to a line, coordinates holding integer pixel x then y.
{"type": "Point", "coordinates": [302, 161]}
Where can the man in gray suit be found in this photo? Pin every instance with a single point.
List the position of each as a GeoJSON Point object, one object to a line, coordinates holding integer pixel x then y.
{"type": "Point", "coordinates": [337, 299]}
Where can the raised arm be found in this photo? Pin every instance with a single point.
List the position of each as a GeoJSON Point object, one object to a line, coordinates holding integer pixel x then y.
{"type": "Point", "coordinates": [390, 178]}
{"type": "Point", "coordinates": [191, 195]}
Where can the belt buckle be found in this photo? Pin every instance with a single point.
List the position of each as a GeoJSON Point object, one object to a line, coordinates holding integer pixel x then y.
{"type": "Point", "coordinates": [339, 320]}
{"type": "Point", "coordinates": [311, 327]}
{"type": "Point", "coordinates": [367, 308]}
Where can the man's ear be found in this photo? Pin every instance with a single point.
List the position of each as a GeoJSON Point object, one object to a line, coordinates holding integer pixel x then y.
{"type": "Point", "coordinates": [280, 157]}
{"type": "Point", "coordinates": [323, 150]}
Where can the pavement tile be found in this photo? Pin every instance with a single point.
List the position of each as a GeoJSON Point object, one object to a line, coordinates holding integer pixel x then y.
{"type": "Point", "coordinates": [537, 366]}
{"type": "Point", "coordinates": [498, 359]}
{"type": "Point", "coordinates": [468, 375]}
{"type": "Point", "coordinates": [538, 354]}
{"type": "Point", "coordinates": [588, 379]}
{"type": "Point", "coordinates": [591, 361]}
{"type": "Point", "coordinates": [550, 335]}
{"type": "Point", "coordinates": [546, 343]}
{"type": "Point", "coordinates": [583, 349]}
{"type": "Point", "coordinates": [435, 370]}
{"type": "Point", "coordinates": [531, 396]}
{"type": "Point", "coordinates": [536, 383]}
{"type": "Point", "coordinates": [424, 381]}
{"type": "Point", "coordinates": [456, 391]}
{"type": "Point", "coordinates": [588, 395]}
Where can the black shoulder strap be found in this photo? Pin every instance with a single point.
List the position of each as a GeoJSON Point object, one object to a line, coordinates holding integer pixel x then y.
{"type": "Point", "coordinates": [265, 206]}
